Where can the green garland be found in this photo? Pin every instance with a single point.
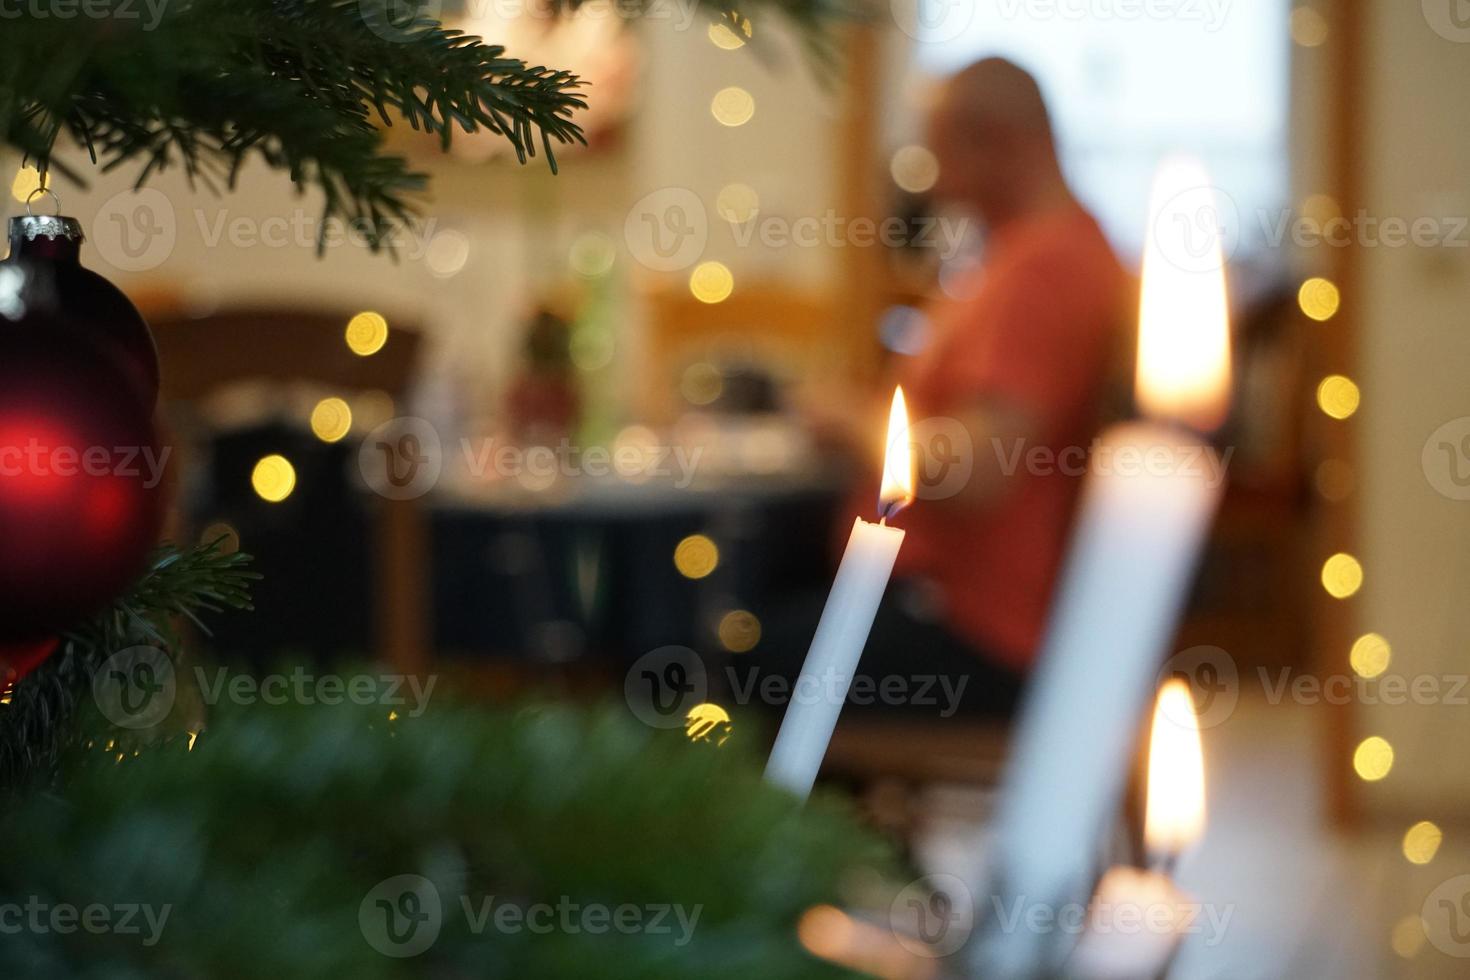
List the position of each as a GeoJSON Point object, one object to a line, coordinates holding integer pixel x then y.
{"type": "Point", "coordinates": [264, 852]}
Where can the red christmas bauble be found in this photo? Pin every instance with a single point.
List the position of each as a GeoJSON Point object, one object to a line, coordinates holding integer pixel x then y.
{"type": "Point", "coordinates": [19, 659]}
{"type": "Point", "coordinates": [47, 249]}
{"type": "Point", "coordinates": [80, 472]}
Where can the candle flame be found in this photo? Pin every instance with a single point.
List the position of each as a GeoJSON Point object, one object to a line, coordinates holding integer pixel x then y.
{"type": "Point", "coordinates": [897, 490]}
{"type": "Point", "coordinates": [1175, 815]}
{"type": "Point", "coordinates": [1183, 369]}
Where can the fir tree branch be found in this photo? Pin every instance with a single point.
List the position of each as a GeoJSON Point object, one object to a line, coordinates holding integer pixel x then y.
{"type": "Point", "coordinates": [38, 722]}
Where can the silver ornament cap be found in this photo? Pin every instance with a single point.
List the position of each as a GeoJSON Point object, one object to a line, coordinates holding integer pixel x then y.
{"type": "Point", "coordinates": [29, 227]}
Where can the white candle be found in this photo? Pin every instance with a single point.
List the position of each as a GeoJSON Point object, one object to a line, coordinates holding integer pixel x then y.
{"type": "Point", "coordinates": [1150, 495]}
{"type": "Point", "coordinates": [842, 632]}
{"type": "Point", "coordinates": [1133, 927]}
{"type": "Point", "coordinates": [1134, 920]}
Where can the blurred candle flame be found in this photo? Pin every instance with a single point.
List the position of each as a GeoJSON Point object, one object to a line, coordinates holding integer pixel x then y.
{"type": "Point", "coordinates": [1175, 815]}
{"type": "Point", "coordinates": [1183, 369]}
{"type": "Point", "coordinates": [897, 489]}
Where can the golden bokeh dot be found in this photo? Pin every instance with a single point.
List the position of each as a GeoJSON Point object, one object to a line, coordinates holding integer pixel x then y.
{"type": "Point", "coordinates": [914, 169]}
{"type": "Point", "coordinates": [592, 255]}
{"type": "Point", "coordinates": [707, 722]}
{"type": "Point", "coordinates": [711, 282]}
{"type": "Point", "coordinates": [27, 181]}
{"type": "Point", "coordinates": [1370, 655]}
{"type": "Point", "coordinates": [1308, 27]}
{"type": "Point", "coordinates": [1320, 209]}
{"type": "Point", "coordinates": [224, 533]}
{"type": "Point", "coordinates": [732, 106]}
{"type": "Point", "coordinates": [372, 408]}
{"type": "Point", "coordinates": [737, 203]}
{"type": "Point", "coordinates": [1334, 480]}
{"type": "Point", "coordinates": [731, 31]}
{"type": "Point", "coordinates": [331, 419]}
{"type": "Point", "coordinates": [739, 631]}
{"type": "Point", "coordinates": [1373, 758]}
{"type": "Point", "coordinates": [273, 478]}
{"type": "Point", "coordinates": [696, 556]}
{"type": "Point", "coordinates": [1319, 298]}
{"type": "Point", "coordinates": [1342, 575]}
{"type": "Point", "coordinates": [1408, 936]}
{"type": "Point", "coordinates": [1421, 842]}
{"type": "Point", "coordinates": [367, 332]}
{"type": "Point", "coordinates": [701, 383]}
{"type": "Point", "coordinates": [1338, 396]}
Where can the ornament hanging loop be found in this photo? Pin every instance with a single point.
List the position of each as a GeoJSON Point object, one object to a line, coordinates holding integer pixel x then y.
{"type": "Point", "coordinates": [43, 189]}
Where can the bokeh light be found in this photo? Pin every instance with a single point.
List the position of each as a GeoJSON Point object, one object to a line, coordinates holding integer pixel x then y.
{"type": "Point", "coordinates": [701, 383]}
{"type": "Point", "coordinates": [1373, 759]}
{"type": "Point", "coordinates": [711, 282]}
{"type": "Point", "coordinates": [696, 556]}
{"type": "Point", "coordinates": [739, 631]}
{"type": "Point", "coordinates": [1308, 27]}
{"type": "Point", "coordinates": [367, 332]}
{"type": "Point", "coordinates": [732, 106]}
{"type": "Point", "coordinates": [737, 203]}
{"type": "Point", "coordinates": [1370, 655]}
{"type": "Point", "coordinates": [914, 169]}
{"type": "Point", "coordinates": [1342, 575]}
{"type": "Point", "coordinates": [273, 478]}
{"type": "Point", "coordinates": [1319, 298]}
{"type": "Point", "coordinates": [447, 254]}
{"type": "Point", "coordinates": [1338, 396]}
{"type": "Point", "coordinates": [1408, 936]}
{"type": "Point", "coordinates": [1421, 842]}
{"type": "Point", "coordinates": [27, 181]}
{"type": "Point", "coordinates": [224, 533]}
{"type": "Point", "coordinates": [592, 255]}
{"type": "Point", "coordinates": [730, 32]}
{"type": "Point", "coordinates": [331, 419]}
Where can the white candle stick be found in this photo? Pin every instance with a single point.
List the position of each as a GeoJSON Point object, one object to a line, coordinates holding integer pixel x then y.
{"type": "Point", "coordinates": [842, 632]}
{"type": "Point", "coordinates": [1150, 495]}
{"type": "Point", "coordinates": [1134, 922]}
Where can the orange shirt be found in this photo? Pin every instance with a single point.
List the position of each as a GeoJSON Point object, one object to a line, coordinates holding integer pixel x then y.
{"type": "Point", "coordinates": [1037, 332]}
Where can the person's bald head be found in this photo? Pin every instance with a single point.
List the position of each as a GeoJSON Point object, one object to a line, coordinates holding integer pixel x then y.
{"type": "Point", "coordinates": [992, 134]}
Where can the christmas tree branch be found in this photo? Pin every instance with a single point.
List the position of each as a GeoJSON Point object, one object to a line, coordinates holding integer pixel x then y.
{"type": "Point", "coordinates": [36, 724]}
{"type": "Point", "coordinates": [303, 85]}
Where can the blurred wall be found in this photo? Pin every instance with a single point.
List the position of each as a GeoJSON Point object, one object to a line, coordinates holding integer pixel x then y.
{"type": "Point", "coordinates": [1414, 365]}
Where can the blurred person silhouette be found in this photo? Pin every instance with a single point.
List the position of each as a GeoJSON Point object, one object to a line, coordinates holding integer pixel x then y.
{"type": "Point", "coordinates": [1020, 354]}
